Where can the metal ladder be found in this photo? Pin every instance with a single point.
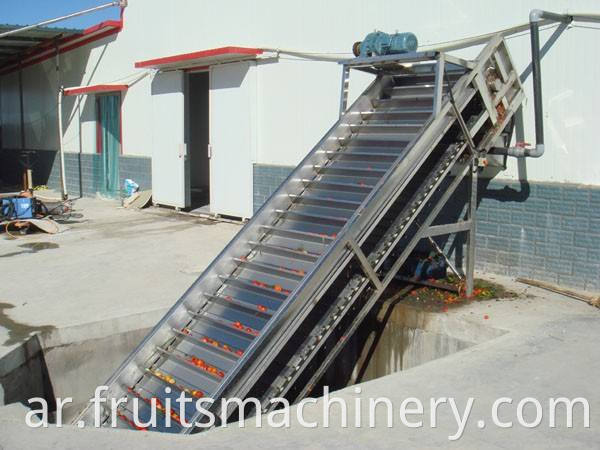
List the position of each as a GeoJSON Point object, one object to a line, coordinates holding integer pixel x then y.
{"type": "Point", "coordinates": [272, 311]}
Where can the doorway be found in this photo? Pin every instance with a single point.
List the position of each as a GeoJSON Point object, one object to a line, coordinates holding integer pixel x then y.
{"type": "Point", "coordinates": [108, 144]}
{"type": "Point", "coordinates": [197, 138]}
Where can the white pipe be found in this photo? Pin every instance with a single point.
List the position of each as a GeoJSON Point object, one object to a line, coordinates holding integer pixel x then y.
{"type": "Point", "coordinates": [308, 55]}
{"type": "Point", "coordinates": [474, 40]}
{"type": "Point", "coordinates": [444, 47]}
{"type": "Point", "coordinates": [543, 19]}
{"type": "Point", "coordinates": [63, 181]}
{"type": "Point", "coordinates": [121, 3]}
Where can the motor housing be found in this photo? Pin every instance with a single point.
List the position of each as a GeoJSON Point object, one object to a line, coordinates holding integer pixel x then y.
{"type": "Point", "coordinates": [379, 43]}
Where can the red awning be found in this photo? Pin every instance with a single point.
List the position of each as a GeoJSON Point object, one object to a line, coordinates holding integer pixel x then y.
{"type": "Point", "coordinates": [96, 88]}
{"type": "Point", "coordinates": [201, 58]}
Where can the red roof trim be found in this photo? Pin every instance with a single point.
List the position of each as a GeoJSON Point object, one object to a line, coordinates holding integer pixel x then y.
{"type": "Point", "coordinates": [198, 55]}
{"type": "Point", "coordinates": [46, 50]}
{"type": "Point", "coordinates": [101, 25]}
{"type": "Point", "coordinates": [96, 88]}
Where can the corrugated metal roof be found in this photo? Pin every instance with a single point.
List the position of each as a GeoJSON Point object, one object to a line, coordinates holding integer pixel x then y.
{"type": "Point", "coordinates": [15, 46]}
{"type": "Point", "coordinates": [39, 44]}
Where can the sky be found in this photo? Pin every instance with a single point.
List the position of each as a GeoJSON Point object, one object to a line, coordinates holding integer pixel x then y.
{"type": "Point", "coordinates": [27, 12]}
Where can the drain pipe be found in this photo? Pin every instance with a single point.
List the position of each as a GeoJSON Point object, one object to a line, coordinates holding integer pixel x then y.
{"type": "Point", "coordinates": [521, 151]}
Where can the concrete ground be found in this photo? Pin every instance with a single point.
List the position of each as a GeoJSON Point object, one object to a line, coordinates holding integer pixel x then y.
{"type": "Point", "coordinates": [121, 262]}
{"type": "Point", "coordinates": [110, 263]}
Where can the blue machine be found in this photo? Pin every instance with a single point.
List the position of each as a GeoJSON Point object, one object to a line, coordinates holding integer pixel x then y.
{"type": "Point", "coordinates": [379, 43]}
{"type": "Point", "coordinates": [17, 208]}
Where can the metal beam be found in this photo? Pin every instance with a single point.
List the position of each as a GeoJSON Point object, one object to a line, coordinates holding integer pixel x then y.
{"type": "Point", "coordinates": [23, 40]}
{"type": "Point", "coordinates": [439, 230]}
{"type": "Point", "coordinates": [397, 58]}
{"type": "Point", "coordinates": [459, 61]}
{"type": "Point", "coordinates": [21, 110]}
{"type": "Point", "coordinates": [439, 83]}
{"type": "Point", "coordinates": [364, 263]}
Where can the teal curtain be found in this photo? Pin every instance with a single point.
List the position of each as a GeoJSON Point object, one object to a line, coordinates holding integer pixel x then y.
{"type": "Point", "coordinates": [109, 109]}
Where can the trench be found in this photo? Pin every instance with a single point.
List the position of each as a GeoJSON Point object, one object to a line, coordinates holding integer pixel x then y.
{"type": "Point", "coordinates": [72, 362]}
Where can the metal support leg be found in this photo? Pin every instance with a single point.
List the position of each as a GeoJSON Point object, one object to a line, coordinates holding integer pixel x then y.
{"type": "Point", "coordinates": [21, 108]}
{"type": "Point", "coordinates": [439, 83]}
{"type": "Point", "coordinates": [344, 89]}
{"type": "Point", "coordinates": [471, 235]}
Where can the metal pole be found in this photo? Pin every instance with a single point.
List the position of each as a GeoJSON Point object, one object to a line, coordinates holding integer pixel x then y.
{"type": "Point", "coordinates": [439, 83]}
{"type": "Point", "coordinates": [59, 19]}
{"type": "Point", "coordinates": [63, 182]}
{"type": "Point", "coordinates": [471, 235]}
{"type": "Point", "coordinates": [22, 112]}
{"type": "Point", "coordinates": [63, 179]}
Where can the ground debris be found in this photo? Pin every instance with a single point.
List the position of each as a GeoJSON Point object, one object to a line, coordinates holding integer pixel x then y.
{"type": "Point", "coordinates": [441, 299]}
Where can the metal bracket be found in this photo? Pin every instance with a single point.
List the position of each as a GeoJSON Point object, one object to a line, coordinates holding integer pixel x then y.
{"type": "Point", "coordinates": [459, 61]}
{"type": "Point", "coordinates": [364, 263]}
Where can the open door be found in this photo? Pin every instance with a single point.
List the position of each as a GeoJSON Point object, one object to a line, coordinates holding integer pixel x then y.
{"type": "Point", "coordinates": [108, 144]}
{"type": "Point", "coordinates": [170, 171]}
{"type": "Point", "coordinates": [232, 137]}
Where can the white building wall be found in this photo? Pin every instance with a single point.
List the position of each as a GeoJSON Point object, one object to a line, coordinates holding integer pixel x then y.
{"type": "Point", "coordinates": [298, 100]}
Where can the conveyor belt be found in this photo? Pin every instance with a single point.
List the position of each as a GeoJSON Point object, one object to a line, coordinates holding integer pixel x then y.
{"type": "Point", "coordinates": [266, 317]}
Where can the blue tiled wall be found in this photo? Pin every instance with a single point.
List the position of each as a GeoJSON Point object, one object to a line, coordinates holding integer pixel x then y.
{"type": "Point", "coordinates": [83, 173]}
{"type": "Point", "coordinates": [553, 234]}
{"type": "Point", "coordinates": [266, 180]}
{"type": "Point", "coordinates": [545, 231]}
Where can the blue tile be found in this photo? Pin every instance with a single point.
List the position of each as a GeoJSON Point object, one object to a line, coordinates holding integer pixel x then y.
{"type": "Point", "coordinates": [587, 240]}
{"type": "Point", "coordinates": [547, 250]}
{"type": "Point", "coordinates": [548, 191]}
{"type": "Point", "coordinates": [575, 223]}
{"type": "Point", "coordinates": [559, 237]}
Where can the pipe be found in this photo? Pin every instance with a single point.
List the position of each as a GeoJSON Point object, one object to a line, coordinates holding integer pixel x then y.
{"type": "Point", "coordinates": [121, 3]}
{"type": "Point", "coordinates": [538, 150]}
{"type": "Point", "coordinates": [63, 181]}
{"type": "Point", "coordinates": [520, 150]}
{"type": "Point", "coordinates": [542, 17]}
{"type": "Point", "coordinates": [536, 18]}
{"type": "Point", "coordinates": [327, 57]}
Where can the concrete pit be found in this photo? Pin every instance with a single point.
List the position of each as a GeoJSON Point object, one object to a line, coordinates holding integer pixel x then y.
{"type": "Point", "coordinates": [72, 361]}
